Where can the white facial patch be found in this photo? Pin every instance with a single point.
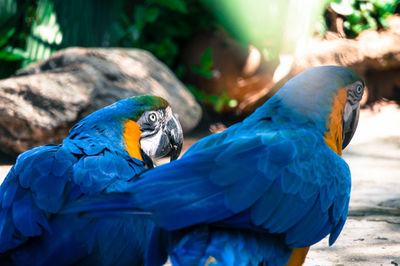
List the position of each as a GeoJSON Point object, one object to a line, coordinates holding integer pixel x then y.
{"type": "Point", "coordinates": [150, 144]}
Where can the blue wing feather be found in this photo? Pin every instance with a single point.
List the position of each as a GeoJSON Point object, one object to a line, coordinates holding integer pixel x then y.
{"type": "Point", "coordinates": [261, 184]}
{"type": "Point", "coordinates": [221, 246]}
{"type": "Point", "coordinates": [274, 190]}
{"type": "Point", "coordinates": [8, 191]}
{"type": "Point", "coordinates": [42, 181]}
{"type": "Point", "coordinates": [272, 177]}
{"type": "Point", "coordinates": [28, 218]}
{"type": "Point", "coordinates": [338, 226]}
{"type": "Point", "coordinates": [243, 194]}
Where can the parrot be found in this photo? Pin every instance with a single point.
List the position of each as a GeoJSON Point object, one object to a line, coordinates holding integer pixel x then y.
{"type": "Point", "coordinates": [103, 152]}
{"type": "Point", "coordinates": [259, 193]}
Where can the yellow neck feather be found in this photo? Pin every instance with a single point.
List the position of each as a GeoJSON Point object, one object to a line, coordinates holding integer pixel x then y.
{"type": "Point", "coordinates": [334, 136]}
{"type": "Point", "coordinates": [132, 136]}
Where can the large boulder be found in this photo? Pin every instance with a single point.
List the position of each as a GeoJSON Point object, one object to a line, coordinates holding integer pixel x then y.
{"type": "Point", "coordinates": [40, 103]}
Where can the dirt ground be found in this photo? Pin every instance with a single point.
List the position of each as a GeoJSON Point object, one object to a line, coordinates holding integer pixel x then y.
{"type": "Point", "coordinates": [371, 235]}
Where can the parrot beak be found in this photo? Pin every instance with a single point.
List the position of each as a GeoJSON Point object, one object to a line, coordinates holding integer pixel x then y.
{"type": "Point", "coordinates": [175, 134]}
{"type": "Point", "coordinates": [172, 139]}
{"type": "Point", "coordinates": [350, 121]}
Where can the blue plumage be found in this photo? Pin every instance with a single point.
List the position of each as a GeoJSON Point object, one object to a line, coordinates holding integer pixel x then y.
{"type": "Point", "coordinates": [93, 159]}
{"type": "Point", "coordinates": [46, 189]}
{"type": "Point", "coordinates": [209, 245]}
{"type": "Point", "coordinates": [272, 177]}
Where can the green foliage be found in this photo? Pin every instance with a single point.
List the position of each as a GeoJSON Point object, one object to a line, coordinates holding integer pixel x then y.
{"type": "Point", "coordinates": [206, 63]}
{"type": "Point", "coordinates": [32, 30]}
{"type": "Point", "coordinates": [360, 15]}
{"type": "Point", "coordinates": [15, 24]}
{"type": "Point", "coordinates": [161, 26]}
{"type": "Point", "coordinates": [7, 52]}
{"type": "Point", "coordinates": [44, 32]}
{"type": "Point", "coordinates": [57, 25]}
{"type": "Point", "coordinates": [204, 69]}
{"type": "Point", "coordinates": [174, 5]}
{"type": "Point", "coordinates": [218, 102]}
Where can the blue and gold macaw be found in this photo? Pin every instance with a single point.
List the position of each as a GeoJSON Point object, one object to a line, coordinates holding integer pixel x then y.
{"type": "Point", "coordinates": [104, 152]}
{"type": "Point", "coordinates": [262, 191]}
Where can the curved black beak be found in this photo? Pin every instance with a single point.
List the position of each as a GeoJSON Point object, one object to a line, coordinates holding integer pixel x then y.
{"type": "Point", "coordinates": [171, 140]}
{"type": "Point", "coordinates": [350, 122]}
{"type": "Point", "coordinates": [175, 134]}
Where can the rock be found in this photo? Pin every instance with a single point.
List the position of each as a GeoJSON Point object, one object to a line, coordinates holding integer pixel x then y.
{"type": "Point", "coordinates": [40, 103]}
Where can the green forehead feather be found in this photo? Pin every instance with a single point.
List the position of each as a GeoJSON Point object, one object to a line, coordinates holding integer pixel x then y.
{"type": "Point", "coordinates": [140, 104]}
{"type": "Point", "coordinates": [159, 102]}
{"type": "Point", "coordinates": [152, 102]}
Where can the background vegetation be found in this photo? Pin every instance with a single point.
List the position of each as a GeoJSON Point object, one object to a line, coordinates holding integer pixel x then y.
{"type": "Point", "coordinates": [32, 30]}
{"type": "Point", "coordinates": [361, 15]}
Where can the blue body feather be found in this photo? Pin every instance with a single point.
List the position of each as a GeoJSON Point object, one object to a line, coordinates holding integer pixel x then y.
{"type": "Point", "coordinates": [92, 160]}
{"type": "Point", "coordinates": [271, 177]}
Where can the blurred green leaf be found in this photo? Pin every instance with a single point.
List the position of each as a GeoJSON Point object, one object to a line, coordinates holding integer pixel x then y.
{"type": "Point", "coordinates": [383, 22]}
{"type": "Point", "coordinates": [356, 17]}
{"type": "Point", "coordinates": [43, 33]}
{"type": "Point", "coordinates": [152, 14]}
{"type": "Point", "coordinates": [204, 68]}
{"type": "Point", "coordinates": [199, 95]}
{"type": "Point", "coordinates": [4, 37]}
{"type": "Point", "coordinates": [180, 71]}
{"type": "Point", "coordinates": [143, 14]}
{"type": "Point", "coordinates": [6, 56]}
{"type": "Point", "coordinates": [202, 72]}
{"type": "Point", "coordinates": [175, 5]}
{"type": "Point", "coordinates": [371, 22]}
{"type": "Point", "coordinates": [218, 102]}
{"type": "Point", "coordinates": [18, 52]}
{"type": "Point", "coordinates": [357, 28]}
{"type": "Point", "coordinates": [12, 54]}
{"type": "Point", "coordinates": [166, 47]}
{"type": "Point", "coordinates": [206, 60]}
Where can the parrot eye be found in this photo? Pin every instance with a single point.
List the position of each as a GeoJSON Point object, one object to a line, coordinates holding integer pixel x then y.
{"type": "Point", "coordinates": [359, 89]}
{"type": "Point", "coordinates": [152, 117]}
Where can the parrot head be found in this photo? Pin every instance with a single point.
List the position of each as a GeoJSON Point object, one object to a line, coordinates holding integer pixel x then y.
{"type": "Point", "coordinates": [144, 126]}
{"type": "Point", "coordinates": [328, 97]}
{"type": "Point", "coordinates": [161, 132]}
